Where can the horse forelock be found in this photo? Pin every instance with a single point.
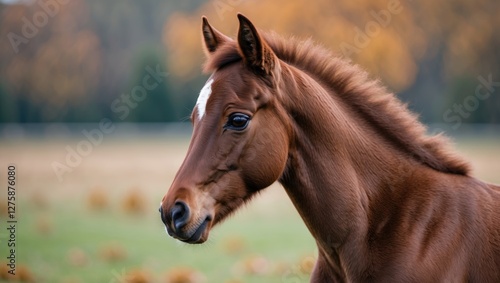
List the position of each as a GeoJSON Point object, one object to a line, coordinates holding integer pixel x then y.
{"type": "Point", "coordinates": [226, 54]}
{"type": "Point", "coordinates": [368, 98]}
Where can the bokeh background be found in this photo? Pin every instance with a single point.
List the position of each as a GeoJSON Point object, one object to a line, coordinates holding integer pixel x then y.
{"type": "Point", "coordinates": [94, 104]}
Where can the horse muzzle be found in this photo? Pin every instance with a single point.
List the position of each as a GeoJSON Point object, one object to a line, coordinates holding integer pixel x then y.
{"type": "Point", "coordinates": [181, 224]}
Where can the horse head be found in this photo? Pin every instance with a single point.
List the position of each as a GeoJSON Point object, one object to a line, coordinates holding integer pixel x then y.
{"type": "Point", "coordinates": [240, 138]}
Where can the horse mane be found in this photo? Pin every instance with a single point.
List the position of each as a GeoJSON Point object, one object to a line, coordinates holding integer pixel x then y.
{"type": "Point", "coordinates": [367, 97]}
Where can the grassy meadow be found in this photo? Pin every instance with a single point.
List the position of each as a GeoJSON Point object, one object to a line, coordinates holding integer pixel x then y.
{"type": "Point", "coordinates": [101, 224]}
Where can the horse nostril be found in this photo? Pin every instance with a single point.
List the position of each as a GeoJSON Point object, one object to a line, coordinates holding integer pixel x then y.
{"type": "Point", "coordinates": [179, 214]}
{"type": "Point", "coordinates": [162, 215]}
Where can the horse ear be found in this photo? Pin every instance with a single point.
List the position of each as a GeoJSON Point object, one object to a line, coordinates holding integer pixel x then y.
{"type": "Point", "coordinates": [211, 37]}
{"type": "Point", "coordinates": [256, 53]}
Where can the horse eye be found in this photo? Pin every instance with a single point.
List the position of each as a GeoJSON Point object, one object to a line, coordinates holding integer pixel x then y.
{"type": "Point", "coordinates": [237, 121]}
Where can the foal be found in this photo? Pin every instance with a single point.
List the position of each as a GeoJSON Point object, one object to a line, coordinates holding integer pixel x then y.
{"type": "Point", "coordinates": [385, 202]}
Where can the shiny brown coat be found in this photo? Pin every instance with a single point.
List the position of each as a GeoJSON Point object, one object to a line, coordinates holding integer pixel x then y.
{"type": "Point", "coordinates": [384, 201]}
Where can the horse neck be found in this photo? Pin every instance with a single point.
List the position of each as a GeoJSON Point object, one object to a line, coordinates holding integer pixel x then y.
{"type": "Point", "coordinates": [336, 165]}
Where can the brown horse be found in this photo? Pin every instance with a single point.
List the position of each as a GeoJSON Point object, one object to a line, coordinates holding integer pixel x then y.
{"type": "Point", "coordinates": [385, 202]}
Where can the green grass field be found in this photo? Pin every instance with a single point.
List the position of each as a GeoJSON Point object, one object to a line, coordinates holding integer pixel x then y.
{"type": "Point", "coordinates": [100, 224]}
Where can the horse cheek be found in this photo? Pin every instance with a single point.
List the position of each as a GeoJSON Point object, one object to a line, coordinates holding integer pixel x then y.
{"type": "Point", "coordinates": [264, 162]}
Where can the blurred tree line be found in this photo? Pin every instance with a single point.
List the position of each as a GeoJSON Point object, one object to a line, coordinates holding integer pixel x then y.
{"type": "Point", "coordinates": [71, 60]}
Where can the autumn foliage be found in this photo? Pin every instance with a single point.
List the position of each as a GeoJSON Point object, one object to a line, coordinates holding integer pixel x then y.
{"type": "Point", "coordinates": [67, 61]}
{"type": "Point", "coordinates": [387, 37]}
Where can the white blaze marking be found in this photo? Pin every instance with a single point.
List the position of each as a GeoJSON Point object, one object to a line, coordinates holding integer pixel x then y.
{"type": "Point", "coordinates": [201, 103]}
